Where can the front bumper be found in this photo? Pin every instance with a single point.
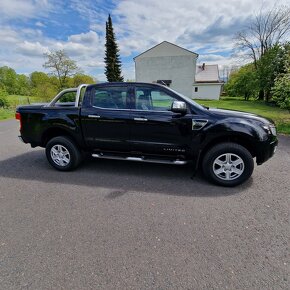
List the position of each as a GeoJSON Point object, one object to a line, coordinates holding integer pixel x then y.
{"type": "Point", "coordinates": [266, 150]}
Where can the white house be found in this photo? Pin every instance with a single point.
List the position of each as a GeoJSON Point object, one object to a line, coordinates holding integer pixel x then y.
{"type": "Point", "coordinates": [207, 82]}
{"type": "Point", "coordinates": [176, 67]}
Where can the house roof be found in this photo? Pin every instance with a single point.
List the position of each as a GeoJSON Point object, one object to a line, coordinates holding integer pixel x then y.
{"type": "Point", "coordinates": [207, 73]}
{"type": "Point", "coordinates": [168, 43]}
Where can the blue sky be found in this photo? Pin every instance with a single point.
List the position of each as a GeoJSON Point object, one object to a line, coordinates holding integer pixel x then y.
{"type": "Point", "coordinates": [29, 28]}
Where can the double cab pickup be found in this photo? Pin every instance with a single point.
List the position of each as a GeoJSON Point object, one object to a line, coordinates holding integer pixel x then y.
{"type": "Point", "coordinates": [147, 123]}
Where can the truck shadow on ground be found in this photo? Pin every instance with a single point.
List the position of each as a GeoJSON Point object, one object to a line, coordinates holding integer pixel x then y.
{"type": "Point", "coordinates": [118, 176]}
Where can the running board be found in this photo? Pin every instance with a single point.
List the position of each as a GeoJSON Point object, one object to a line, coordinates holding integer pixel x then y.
{"type": "Point", "coordinates": [175, 162]}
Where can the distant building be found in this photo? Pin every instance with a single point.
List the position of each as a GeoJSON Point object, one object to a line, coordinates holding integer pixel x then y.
{"type": "Point", "coordinates": [176, 67]}
{"type": "Point", "coordinates": [207, 82]}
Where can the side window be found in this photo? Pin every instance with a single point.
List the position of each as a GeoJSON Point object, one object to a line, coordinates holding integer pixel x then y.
{"type": "Point", "coordinates": [110, 98]}
{"type": "Point", "coordinates": [68, 97]}
{"type": "Point", "coordinates": [151, 99]}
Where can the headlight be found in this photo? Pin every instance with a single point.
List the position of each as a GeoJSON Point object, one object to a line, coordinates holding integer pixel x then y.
{"type": "Point", "coordinates": [270, 129]}
{"type": "Point", "coordinates": [273, 130]}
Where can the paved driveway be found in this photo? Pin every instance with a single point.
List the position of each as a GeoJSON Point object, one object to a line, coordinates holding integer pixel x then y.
{"type": "Point", "coordinates": [126, 225]}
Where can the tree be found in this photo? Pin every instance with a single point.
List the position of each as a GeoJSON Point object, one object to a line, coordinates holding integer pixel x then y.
{"type": "Point", "coordinates": [243, 82]}
{"type": "Point", "coordinates": [61, 65]}
{"type": "Point", "coordinates": [269, 66]}
{"type": "Point", "coordinates": [112, 57]}
{"type": "Point", "coordinates": [8, 79]}
{"type": "Point", "coordinates": [43, 86]}
{"type": "Point", "coordinates": [3, 98]}
{"type": "Point", "coordinates": [22, 85]}
{"type": "Point", "coordinates": [265, 31]}
{"type": "Point", "coordinates": [38, 78]}
{"type": "Point", "coordinates": [281, 88]}
{"type": "Point", "coordinates": [281, 91]}
{"type": "Point", "coordinates": [79, 79]}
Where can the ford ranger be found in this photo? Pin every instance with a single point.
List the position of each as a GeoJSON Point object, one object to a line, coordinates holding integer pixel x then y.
{"type": "Point", "coordinates": [148, 123]}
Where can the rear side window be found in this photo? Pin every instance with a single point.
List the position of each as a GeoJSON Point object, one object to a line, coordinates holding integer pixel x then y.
{"type": "Point", "coordinates": [68, 97]}
{"type": "Point", "coordinates": [110, 98]}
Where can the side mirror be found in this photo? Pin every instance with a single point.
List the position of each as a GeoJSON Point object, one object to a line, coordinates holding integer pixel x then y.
{"type": "Point", "coordinates": [179, 107]}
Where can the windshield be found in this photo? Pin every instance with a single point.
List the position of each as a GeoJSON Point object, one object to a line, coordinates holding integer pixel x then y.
{"type": "Point", "coordinates": [187, 99]}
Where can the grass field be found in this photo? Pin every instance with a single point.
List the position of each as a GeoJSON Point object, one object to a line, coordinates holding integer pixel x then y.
{"type": "Point", "coordinates": [279, 116]}
{"type": "Point", "coordinates": [14, 101]}
{"type": "Point", "coordinates": [6, 113]}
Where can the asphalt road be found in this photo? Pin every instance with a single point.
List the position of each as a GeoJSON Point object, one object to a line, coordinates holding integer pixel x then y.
{"type": "Point", "coordinates": [127, 225]}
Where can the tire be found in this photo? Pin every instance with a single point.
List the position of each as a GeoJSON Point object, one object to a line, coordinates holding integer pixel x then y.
{"type": "Point", "coordinates": [62, 153]}
{"type": "Point", "coordinates": [228, 164]}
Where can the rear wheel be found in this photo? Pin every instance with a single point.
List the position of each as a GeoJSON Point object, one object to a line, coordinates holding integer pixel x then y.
{"type": "Point", "coordinates": [228, 164]}
{"type": "Point", "coordinates": [62, 153]}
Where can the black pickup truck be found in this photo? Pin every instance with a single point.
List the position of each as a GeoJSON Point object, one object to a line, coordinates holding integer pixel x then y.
{"type": "Point", "coordinates": [149, 123]}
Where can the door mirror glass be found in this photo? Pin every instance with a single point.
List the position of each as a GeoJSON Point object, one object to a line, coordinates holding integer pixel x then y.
{"type": "Point", "coordinates": [179, 107]}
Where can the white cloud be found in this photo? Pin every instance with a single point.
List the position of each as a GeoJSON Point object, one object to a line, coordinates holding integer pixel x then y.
{"type": "Point", "coordinates": [206, 27]}
{"type": "Point", "coordinates": [39, 24]}
{"type": "Point", "coordinates": [19, 9]}
{"type": "Point", "coordinates": [193, 24]}
{"type": "Point", "coordinates": [31, 49]}
{"type": "Point", "coordinates": [89, 38]}
{"type": "Point", "coordinates": [7, 36]}
{"type": "Point", "coordinates": [24, 49]}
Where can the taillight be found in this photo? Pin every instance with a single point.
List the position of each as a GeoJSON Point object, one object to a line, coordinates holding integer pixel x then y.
{"type": "Point", "coordinates": [18, 117]}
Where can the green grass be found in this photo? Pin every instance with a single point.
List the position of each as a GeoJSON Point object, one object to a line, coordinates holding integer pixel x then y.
{"type": "Point", "coordinates": [6, 113]}
{"type": "Point", "coordinates": [279, 116]}
{"type": "Point", "coordinates": [14, 101]}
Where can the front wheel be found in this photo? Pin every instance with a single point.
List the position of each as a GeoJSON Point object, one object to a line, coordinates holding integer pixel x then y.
{"type": "Point", "coordinates": [62, 153]}
{"type": "Point", "coordinates": [228, 164]}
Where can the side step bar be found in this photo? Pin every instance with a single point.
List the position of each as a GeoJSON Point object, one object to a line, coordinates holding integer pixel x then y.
{"type": "Point", "coordinates": [175, 162]}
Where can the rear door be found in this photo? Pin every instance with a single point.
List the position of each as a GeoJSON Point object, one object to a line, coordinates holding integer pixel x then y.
{"type": "Point", "coordinates": [105, 117]}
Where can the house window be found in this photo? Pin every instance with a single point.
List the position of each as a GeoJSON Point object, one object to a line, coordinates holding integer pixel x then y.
{"type": "Point", "coordinates": [196, 89]}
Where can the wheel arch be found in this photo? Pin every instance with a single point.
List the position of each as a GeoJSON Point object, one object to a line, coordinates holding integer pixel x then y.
{"type": "Point", "coordinates": [55, 132]}
{"type": "Point", "coordinates": [243, 140]}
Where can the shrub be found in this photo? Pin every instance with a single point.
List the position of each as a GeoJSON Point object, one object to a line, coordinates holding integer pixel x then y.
{"type": "Point", "coordinates": [3, 101]}
{"type": "Point", "coordinates": [281, 91]}
{"type": "Point", "coordinates": [242, 82]}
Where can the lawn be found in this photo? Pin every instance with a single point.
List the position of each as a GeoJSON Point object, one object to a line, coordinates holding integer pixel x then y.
{"type": "Point", "coordinates": [14, 101]}
{"type": "Point", "coordinates": [279, 116]}
{"type": "Point", "coordinates": [6, 113]}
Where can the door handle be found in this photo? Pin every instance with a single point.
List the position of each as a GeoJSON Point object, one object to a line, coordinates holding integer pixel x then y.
{"type": "Point", "coordinates": [94, 116]}
{"type": "Point", "coordinates": [141, 119]}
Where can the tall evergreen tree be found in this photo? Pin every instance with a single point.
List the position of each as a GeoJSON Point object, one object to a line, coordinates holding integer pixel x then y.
{"type": "Point", "coordinates": [112, 57]}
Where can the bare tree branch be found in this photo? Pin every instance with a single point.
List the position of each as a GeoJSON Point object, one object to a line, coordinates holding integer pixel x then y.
{"type": "Point", "coordinates": [266, 30]}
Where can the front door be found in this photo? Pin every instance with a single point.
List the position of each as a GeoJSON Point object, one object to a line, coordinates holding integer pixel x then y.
{"type": "Point", "coordinates": [105, 118]}
{"type": "Point", "coordinates": [155, 128]}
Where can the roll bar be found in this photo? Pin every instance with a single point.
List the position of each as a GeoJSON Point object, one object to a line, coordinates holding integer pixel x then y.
{"type": "Point", "coordinates": [59, 95]}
